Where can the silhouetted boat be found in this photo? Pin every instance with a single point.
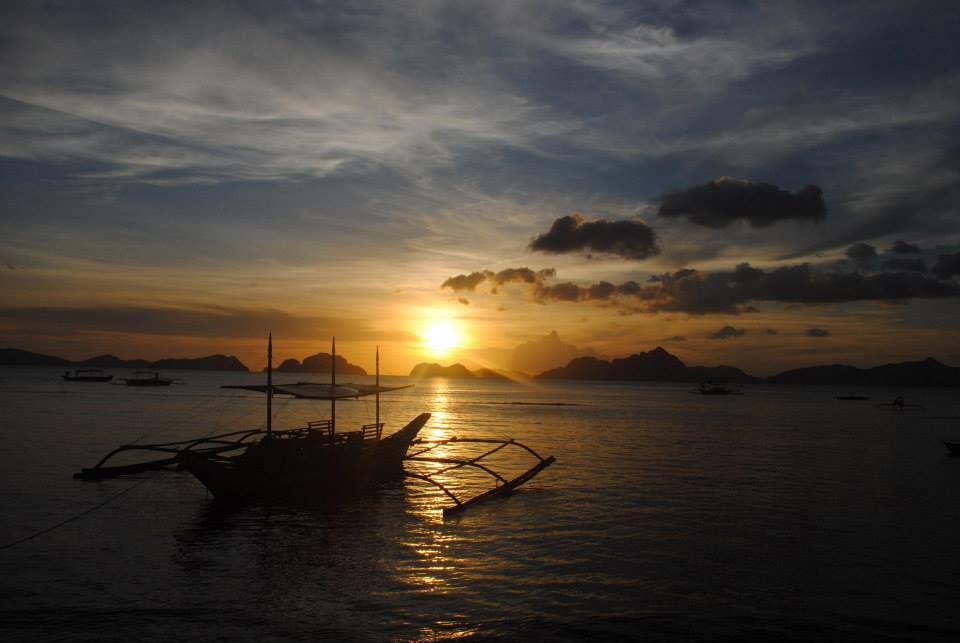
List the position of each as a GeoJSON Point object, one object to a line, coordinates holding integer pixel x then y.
{"type": "Point", "coordinates": [704, 389]}
{"type": "Point", "coordinates": [147, 378]}
{"type": "Point", "coordinates": [952, 447]}
{"type": "Point", "coordinates": [86, 375]}
{"type": "Point", "coordinates": [315, 464]}
{"type": "Point", "coordinates": [852, 398]}
{"type": "Point", "coordinates": [898, 403]}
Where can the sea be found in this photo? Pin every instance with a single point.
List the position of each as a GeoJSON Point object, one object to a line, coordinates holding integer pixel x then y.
{"type": "Point", "coordinates": [779, 514]}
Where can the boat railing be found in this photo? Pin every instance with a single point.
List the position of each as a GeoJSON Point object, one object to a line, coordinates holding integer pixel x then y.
{"type": "Point", "coordinates": [372, 431]}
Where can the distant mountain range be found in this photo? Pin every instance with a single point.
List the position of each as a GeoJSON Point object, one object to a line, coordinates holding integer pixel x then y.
{"type": "Point", "coordinates": [320, 363]}
{"type": "Point", "coordinates": [654, 366]}
{"type": "Point", "coordinates": [17, 357]}
{"type": "Point", "coordinates": [461, 371]}
{"type": "Point", "coordinates": [659, 365]}
{"type": "Point", "coordinates": [928, 372]}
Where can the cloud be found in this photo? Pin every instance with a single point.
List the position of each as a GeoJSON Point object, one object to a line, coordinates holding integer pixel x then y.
{"type": "Point", "coordinates": [676, 338]}
{"type": "Point", "coordinates": [717, 204]}
{"type": "Point", "coordinates": [862, 254]}
{"type": "Point", "coordinates": [464, 301]}
{"type": "Point", "coordinates": [727, 332]}
{"type": "Point", "coordinates": [465, 282]}
{"type": "Point", "coordinates": [520, 276]}
{"type": "Point", "coordinates": [571, 292]}
{"type": "Point", "coordinates": [506, 276]}
{"type": "Point", "coordinates": [770, 331]}
{"type": "Point", "coordinates": [947, 265]}
{"type": "Point", "coordinates": [905, 263]}
{"type": "Point", "coordinates": [901, 247]}
{"type": "Point", "coordinates": [817, 332]}
{"type": "Point", "coordinates": [630, 239]}
{"type": "Point", "coordinates": [731, 291]}
{"type": "Point", "coordinates": [727, 292]}
{"type": "Point", "coordinates": [209, 321]}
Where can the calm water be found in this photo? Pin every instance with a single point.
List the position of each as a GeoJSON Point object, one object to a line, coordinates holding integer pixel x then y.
{"type": "Point", "coordinates": [780, 513]}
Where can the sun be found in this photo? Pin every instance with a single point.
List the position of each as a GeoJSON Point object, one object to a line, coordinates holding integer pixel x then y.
{"type": "Point", "coordinates": [440, 337]}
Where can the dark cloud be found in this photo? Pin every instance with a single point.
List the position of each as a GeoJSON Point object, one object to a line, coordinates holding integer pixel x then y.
{"type": "Point", "coordinates": [520, 276]}
{"type": "Point", "coordinates": [717, 204]}
{"type": "Point", "coordinates": [630, 239]}
{"type": "Point", "coordinates": [465, 282]}
{"type": "Point", "coordinates": [905, 263]}
{"type": "Point", "coordinates": [464, 301]}
{"type": "Point", "coordinates": [947, 265]}
{"type": "Point", "coordinates": [770, 331]}
{"type": "Point", "coordinates": [901, 247]}
{"type": "Point", "coordinates": [729, 292]}
{"type": "Point", "coordinates": [862, 254]}
{"type": "Point", "coordinates": [600, 291]}
{"type": "Point", "coordinates": [817, 332]}
{"type": "Point", "coordinates": [505, 276]}
{"type": "Point", "coordinates": [727, 332]}
{"type": "Point", "coordinates": [210, 321]}
{"type": "Point", "coordinates": [676, 338]}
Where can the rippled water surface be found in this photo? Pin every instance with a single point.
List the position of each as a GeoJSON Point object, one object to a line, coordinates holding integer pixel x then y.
{"type": "Point", "coordinates": [780, 513]}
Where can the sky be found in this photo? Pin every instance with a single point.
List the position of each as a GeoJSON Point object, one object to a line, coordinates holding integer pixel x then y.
{"type": "Point", "coordinates": [506, 184]}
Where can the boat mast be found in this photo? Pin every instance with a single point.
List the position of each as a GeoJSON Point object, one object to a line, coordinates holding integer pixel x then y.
{"type": "Point", "coordinates": [333, 384]}
{"type": "Point", "coordinates": [378, 389]}
{"type": "Point", "coordinates": [270, 385]}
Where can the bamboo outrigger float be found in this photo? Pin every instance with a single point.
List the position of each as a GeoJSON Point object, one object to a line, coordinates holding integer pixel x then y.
{"type": "Point", "coordinates": [312, 464]}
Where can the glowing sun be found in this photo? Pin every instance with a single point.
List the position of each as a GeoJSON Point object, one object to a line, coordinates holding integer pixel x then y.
{"type": "Point", "coordinates": [440, 337]}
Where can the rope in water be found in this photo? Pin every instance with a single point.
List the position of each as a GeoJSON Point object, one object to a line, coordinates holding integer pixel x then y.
{"type": "Point", "coordinates": [116, 496]}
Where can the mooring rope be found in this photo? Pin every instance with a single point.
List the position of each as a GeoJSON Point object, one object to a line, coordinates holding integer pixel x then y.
{"type": "Point", "coordinates": [116, 496]}
{"type": "Point", "coordinates": [83, 513]}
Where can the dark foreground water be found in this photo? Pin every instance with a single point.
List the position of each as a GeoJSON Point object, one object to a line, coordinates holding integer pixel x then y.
{"type": "Point", "coordinates": [779, 514]}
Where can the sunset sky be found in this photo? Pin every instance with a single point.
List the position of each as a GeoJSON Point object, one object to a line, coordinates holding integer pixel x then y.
{"type": "Point", "coordinates": [767, 185]}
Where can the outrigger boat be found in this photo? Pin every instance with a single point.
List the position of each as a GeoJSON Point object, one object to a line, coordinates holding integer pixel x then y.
{"type": "Point", "coordinates": [147, 378]}
{"type": "Point", "coordinates": [899, 404]}
{"type": "Point", "coordinates": [86, 375]}
{"type": "Point", "coordinates": [705, 389]}
{"type": "Point", "coordinates": [315, 464]}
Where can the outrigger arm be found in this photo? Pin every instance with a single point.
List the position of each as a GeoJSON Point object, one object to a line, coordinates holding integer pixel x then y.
{"type": "Point", "coordinates": [502, 486]}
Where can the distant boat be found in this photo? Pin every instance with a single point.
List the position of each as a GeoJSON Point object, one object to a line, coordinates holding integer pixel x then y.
{"type": "Point", "coordinates": [86, 375]}
{"type": "Point", "coordinates": [852, 398]}
{"type": "Point", "coordinates": [952, 447]}
{"type": "Point", "coordinates": [314, 464]}
{"type": "Point", "coordinates": [898, 403]}
{"type": "Point", "coordinates": [147, 378]}
{"type": "Point", "coordinates": [704, 389]}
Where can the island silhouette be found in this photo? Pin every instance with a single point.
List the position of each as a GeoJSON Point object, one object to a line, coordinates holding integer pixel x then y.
{"type": "Point", "coordinates": [657, 365]}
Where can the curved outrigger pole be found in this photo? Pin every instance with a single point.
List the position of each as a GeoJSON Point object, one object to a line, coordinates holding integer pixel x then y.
{"type": "Point", "coordinates": [211, 445]}
{"type": "Point", "coordinates": [502, 486]}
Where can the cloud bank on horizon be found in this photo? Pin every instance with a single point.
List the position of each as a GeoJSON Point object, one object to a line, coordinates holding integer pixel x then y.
{"type": "Point", "coordinates": [695, 158]}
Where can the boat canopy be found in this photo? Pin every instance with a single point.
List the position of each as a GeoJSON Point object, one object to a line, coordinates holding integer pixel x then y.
{"type": "Point", "coordinates": [320, 391]}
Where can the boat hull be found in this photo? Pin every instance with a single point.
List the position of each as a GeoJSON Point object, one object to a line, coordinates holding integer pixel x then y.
{"type": "Point", "coordinates": [303, 470]}
{"type": "Point", "coordinates": [148, 382]}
